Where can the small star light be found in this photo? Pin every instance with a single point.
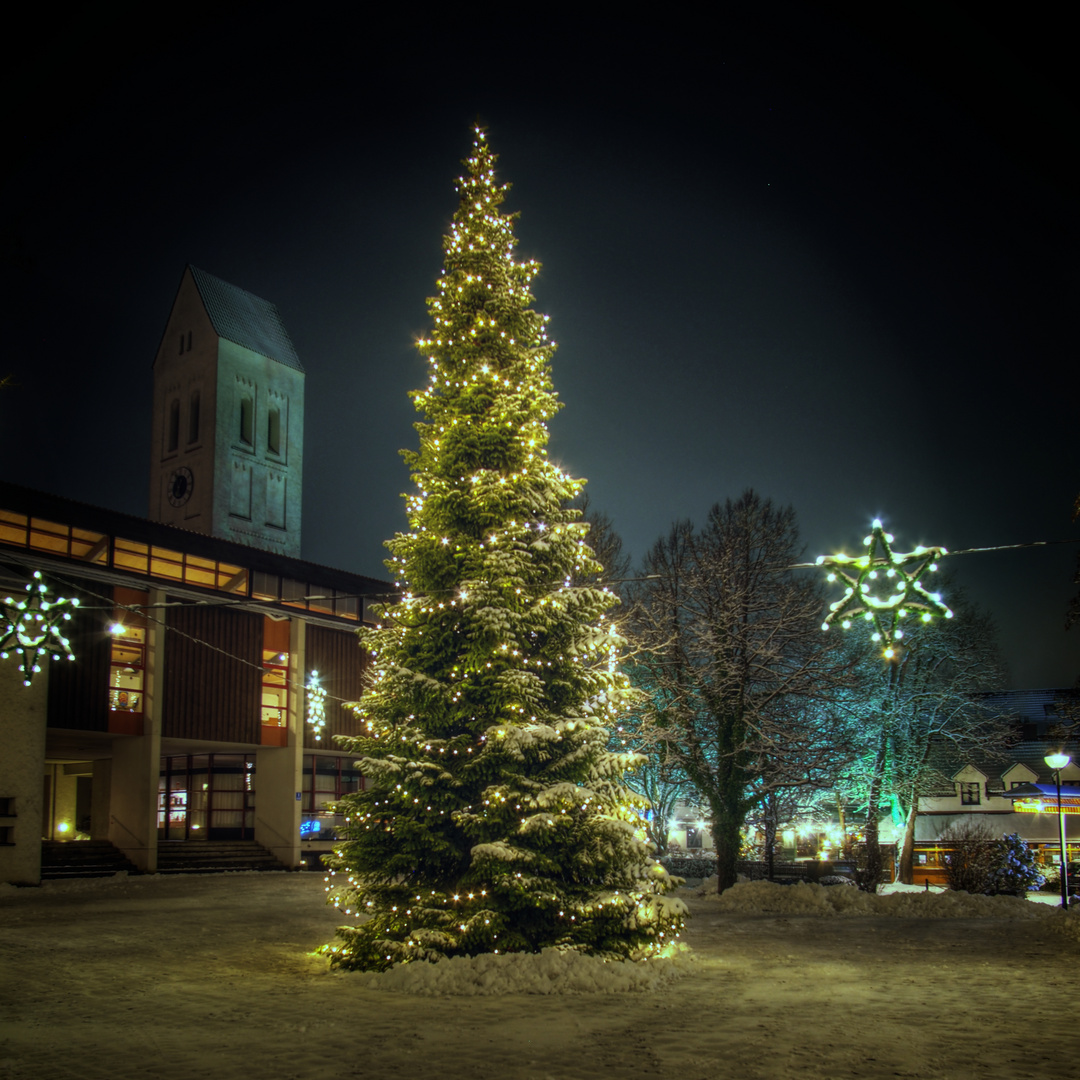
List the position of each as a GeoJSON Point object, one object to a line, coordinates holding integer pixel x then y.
{"type": "Point", "coordinates": [316, 705]}
{"type": "Point", "coordinates": [31, 627]}
{"type": "Point", "coordinates": [899, 574]}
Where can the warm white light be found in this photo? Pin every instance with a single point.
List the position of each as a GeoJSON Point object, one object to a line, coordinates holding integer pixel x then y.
{"type": "Point", "coordinates": [1057, 761]}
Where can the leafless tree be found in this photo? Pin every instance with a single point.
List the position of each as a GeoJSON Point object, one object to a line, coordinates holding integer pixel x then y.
{"type": "Point", "coordinates": [922, 714]}
{"type": "Point", "coordinates": [741, 683]}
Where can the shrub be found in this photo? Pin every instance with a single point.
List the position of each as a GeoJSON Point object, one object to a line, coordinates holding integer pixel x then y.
{"type": "Point", "coordinates": [1014, 870]}
{"type": "Point", "coordinates": [971, 856]}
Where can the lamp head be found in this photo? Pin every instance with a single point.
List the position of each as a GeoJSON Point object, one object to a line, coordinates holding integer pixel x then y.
{"type": "Point", "coordinates": [1057, 761]}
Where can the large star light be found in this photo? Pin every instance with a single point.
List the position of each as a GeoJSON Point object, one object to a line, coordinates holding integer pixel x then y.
{"type": "Point", "coordinates": [900, 575]}
{"type": "Point", "coordinates": [31, 627]}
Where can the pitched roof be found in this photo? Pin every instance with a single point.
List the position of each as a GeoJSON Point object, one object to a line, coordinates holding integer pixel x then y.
{"type": "Point", "coordinates": [245, 319]}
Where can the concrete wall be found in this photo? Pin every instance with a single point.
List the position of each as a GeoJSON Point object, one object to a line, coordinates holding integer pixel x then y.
{"type": "Point", "coordinates": [178, 375]}
{"type": "Point", "coordinates": [136, 763]}
{"type": "Point", "coordinates": [250, 478]}
{"type": "Point", "coordinates": [278, 769]}
{"type": "Point", "coordinates": [22, 767]}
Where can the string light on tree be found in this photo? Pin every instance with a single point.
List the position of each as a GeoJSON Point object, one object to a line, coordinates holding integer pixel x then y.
{"type": "Point", "coordinates": [493, 817]}
{"type": "Point", "coordinates": [32, 627]}
{"type": "Point", "coordinates": [884, 588]}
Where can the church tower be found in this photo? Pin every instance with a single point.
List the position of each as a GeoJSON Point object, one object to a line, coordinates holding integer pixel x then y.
{"type": "Point", "coordinates": [228, 428]}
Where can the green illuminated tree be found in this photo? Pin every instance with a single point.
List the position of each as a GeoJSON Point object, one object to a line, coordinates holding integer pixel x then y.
{"type": "Point", "coordinates": [494, 818]}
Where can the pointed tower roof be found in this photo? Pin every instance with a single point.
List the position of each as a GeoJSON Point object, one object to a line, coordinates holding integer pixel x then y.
{"type": "Point", "coordinates": [245, 319]}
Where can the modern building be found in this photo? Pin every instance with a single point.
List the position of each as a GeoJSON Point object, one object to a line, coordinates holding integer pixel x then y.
{"type": "Point", "coordinates": [211, 665]}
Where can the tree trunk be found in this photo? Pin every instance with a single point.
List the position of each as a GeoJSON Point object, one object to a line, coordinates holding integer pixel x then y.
{"type": "Point", "coordinates": [906, 872]}
{"type": "Point", "coordinates": [770, 841]}
{"type": "Point", "coordinates": [725, 829]}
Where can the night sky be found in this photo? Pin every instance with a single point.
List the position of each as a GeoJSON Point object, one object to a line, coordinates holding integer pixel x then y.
{"type": "Point", "coordinates": [787, 249]}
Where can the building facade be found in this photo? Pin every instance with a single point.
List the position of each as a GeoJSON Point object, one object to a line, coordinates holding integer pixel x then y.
{"type": "Point", "coordinates": [211, 665]}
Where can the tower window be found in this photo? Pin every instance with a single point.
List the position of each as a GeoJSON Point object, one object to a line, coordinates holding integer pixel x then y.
{"type": "Point", "coordinates": [247, 419]}
{"type": "Point", "coordinates": [273, 430]}
{"type": "Point", "coordinates": [193, 417]}
{"type": "Point", "coordinates": [172, 440]}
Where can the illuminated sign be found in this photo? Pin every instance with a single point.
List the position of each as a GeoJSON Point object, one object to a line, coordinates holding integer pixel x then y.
{"type": "Point", "coordinates": [1046, 806]}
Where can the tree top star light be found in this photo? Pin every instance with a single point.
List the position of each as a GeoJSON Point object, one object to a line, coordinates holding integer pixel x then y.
{"type": "Point", "coordinates": [900, 575]}
{"type": "Point", "coordinates": [31, 627]}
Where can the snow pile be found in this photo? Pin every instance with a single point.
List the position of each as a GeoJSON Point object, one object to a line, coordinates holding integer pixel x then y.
{"type": "Point", "coordinates": [549, 972]}
{"type": "Point", "coordinates": [805, 898]}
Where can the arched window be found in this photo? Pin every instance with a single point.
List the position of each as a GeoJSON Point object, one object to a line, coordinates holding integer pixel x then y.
{"type": "Point", "coordinates": [273, 430]}
{"type": "Point", "coordinates": [193, 417]}
{"type": "Point", "coordinates": [172, 439]}
{"type": "Point", "coordinates": [247, 420]}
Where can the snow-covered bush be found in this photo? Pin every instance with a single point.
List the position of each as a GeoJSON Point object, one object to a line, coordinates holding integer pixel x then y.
{"type": "Point", "coordinates": [970, 855]}
{"type": "Point", "coordinates": [1014, 871]}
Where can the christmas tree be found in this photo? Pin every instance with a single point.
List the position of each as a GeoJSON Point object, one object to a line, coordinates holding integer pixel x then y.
{"type": "Point", "coordinates": [493, 817]}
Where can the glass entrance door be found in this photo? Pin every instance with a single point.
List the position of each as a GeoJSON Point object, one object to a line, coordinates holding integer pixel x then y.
{"type": "Point", "coordinates": [206, 797]}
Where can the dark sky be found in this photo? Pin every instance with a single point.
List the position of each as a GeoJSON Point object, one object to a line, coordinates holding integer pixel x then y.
{"type": "Point", "coordinates": [789, 249]}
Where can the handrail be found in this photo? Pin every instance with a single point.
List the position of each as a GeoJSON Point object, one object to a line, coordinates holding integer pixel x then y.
{"type": "Point", "coordinates": [284, 841]}
{"type": "Point", "coordinates": [140, 841]}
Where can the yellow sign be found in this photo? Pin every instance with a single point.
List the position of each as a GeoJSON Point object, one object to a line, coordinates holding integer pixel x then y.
{"type": "Point", "coordinates": [1046, 806]}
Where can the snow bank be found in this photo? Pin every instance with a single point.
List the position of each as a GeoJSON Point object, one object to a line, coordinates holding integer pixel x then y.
{"type": "Point", "coordinates": [549, 972]}
{"type": "Point", "coordinates": [805, 898]}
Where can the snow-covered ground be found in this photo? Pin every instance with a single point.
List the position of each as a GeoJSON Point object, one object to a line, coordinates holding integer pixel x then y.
{"type": "Point", "coordinates": [163, 977]}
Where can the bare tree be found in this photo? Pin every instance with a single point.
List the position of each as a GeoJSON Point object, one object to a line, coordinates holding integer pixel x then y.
{"type": "Point", "coordinates": [740, 679]}
{"type": "Point", "coordinates": [922, 713]}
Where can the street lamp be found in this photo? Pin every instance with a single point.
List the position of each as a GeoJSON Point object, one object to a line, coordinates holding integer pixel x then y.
{"type": "Point", "coordinates": [1057, 762]}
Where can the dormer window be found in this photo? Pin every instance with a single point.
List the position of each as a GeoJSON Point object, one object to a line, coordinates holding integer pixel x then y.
{"type": "Point", "coordinates": [971, 794]}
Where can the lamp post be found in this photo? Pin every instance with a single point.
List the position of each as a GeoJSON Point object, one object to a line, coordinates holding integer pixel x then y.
{"type": "Point", "coordinates": [1057, 762]}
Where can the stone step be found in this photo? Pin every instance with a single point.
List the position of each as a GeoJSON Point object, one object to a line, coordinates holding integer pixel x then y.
{"type": "Point", "coordinates": [214, 856]}
{"type": "Point", "coordinates": [82, 859]}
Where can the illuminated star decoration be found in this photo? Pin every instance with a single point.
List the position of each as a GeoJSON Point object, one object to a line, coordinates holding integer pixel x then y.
{"type": "Point", "coordinates": [899, 573]}
{"type": "Point", "coordinates": [31, 627]}
{"type": "Point", "coordinates": [316, 705]}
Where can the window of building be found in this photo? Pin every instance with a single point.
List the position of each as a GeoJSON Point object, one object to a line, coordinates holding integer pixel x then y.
{"type": "Point", "coordinates": [275, 689]}
{"type": "Point", "coordinates": [206, 797]}
{"type": "Point", "coordinates": [193, 417]}
{"type": "Point", "coordinates": [293, 593]}
{"type": "Point", "coordinates": [247, 420]}
{"type": "Point", "coordinates": [127, 665]}
{"type": "Point", "coordinates": [693, 839]}
{"type": "Point", "coordinates": [273, 430]}
{"type": "Point", "coordinates": [346, 607]}
{"type": "Point", "coordinates": [131, 555]}
{"type": "Point", "coordinates": [971, 794]}
{"type": "Point", "coordinates": [265, 586]}
{"type": "Point", "coordinates": [326, 779]}
{"type": "Point", "coordinates": [172, 437]}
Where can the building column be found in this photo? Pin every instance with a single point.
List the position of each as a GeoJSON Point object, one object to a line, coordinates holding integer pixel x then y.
{"type": "Point", "coordinates": [279, 769]}
{"type": "Point", "coordinates": [23, 715]}
{"type": "Point", "coordinates": [136, 762]}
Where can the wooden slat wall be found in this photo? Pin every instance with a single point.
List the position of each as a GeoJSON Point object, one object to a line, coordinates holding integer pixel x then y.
{"type": "Point", "coordinates": [210, 695]}
{"type": "Point", "coordinates": [337, 657]}
{"type": "Point", "coordinates": [79, 689]}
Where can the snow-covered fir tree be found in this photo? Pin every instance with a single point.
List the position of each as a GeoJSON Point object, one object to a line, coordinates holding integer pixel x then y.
{"type": "Point", "coordinates": [493, 817]}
